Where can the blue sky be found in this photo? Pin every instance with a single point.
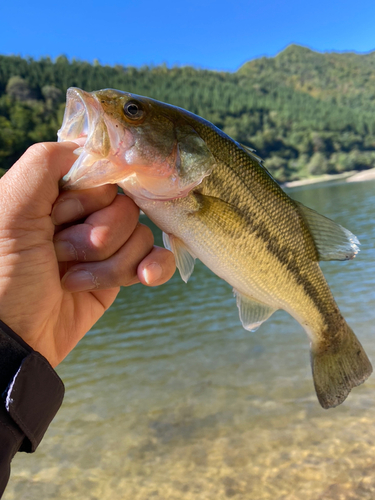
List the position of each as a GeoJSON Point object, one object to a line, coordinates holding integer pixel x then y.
{"type": "Point", "coordinates": [211, 34]}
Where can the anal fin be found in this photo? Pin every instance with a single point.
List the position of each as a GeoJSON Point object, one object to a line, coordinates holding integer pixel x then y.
{"type": "Point", "coordinates": [252, 312]}
{"type": "Point", "coordinates": [184, 260]}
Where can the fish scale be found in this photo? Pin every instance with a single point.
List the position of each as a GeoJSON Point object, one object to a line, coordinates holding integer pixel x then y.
{"type": "Point", "coordinates": [289, 245]}
{"type": "Point", "coordinates": [215, 201]}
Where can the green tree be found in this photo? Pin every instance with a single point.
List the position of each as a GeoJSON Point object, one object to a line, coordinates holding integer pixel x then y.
{"type": "Point", "coordinates": [19, 89]}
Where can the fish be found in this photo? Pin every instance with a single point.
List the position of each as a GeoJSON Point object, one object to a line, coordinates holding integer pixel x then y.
{"type": "Point", "coordinates": [214, 200]}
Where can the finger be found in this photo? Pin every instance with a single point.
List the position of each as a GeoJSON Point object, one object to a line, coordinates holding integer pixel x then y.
{"type": "Point", "coordinates": [101, 235]}
{"type": "Point", "coordinates": [73, 205]}
{"type": "Point", "coordinates": [36, 175]}
{"type": "Point", "coordinates": [157, 267]}
{"type": "Point", "coordinates": [118, 270]}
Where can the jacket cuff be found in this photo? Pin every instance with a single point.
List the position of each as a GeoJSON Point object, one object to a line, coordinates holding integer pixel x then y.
{"type": "Point", "coordinates": [35, 391]}
{"type": "Point", "coordinates": [33, 398]}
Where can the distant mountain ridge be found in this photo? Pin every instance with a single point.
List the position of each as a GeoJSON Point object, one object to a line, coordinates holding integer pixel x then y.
{"type": "Point", "coordinates": [306, 113]}
{"type": "Point", "coordinates": [321, 75]}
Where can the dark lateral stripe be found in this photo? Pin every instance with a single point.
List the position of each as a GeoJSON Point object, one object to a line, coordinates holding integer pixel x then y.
{"type": "Point", "coordinates": [236, 174]}
{"type": "Point", "coordinates": [286, 258]}
{"type": "Point", "coordinates": [209, 210]}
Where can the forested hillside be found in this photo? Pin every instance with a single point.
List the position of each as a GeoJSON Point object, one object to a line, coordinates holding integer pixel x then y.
{"type": "Point", "coordinates": [306, 113]}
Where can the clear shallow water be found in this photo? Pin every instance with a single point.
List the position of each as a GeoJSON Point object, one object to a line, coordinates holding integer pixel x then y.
{"type": "Point", "coordinates": [169, 398]}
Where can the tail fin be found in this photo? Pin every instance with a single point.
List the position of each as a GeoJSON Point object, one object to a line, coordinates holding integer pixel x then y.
{"type": "Point", "coordinates": [338, 368]}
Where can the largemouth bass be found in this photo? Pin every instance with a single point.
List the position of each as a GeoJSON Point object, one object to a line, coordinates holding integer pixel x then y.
{"type": "Point", "coordinates": [214, 200]}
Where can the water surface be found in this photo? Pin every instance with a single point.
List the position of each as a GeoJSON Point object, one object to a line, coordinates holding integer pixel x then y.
{"type": "Point", "coordinates": [168, 397]}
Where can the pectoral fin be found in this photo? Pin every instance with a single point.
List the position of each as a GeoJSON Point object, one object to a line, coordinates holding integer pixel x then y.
{"type": "Point", "coordinates": [252, 312]}
{"type": "Point", "coordinates": [332, 241]}
{"type": "Point", "coordinates": [184, 260]}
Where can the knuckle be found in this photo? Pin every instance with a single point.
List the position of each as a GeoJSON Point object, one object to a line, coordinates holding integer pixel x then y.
{"type": "Point", "coordinates": [124, 274]}
{"type": "Point", "coordinates": [89, 253]}
{"type": "Point", "coordinates": [39, 149]}
{"type": "Point", "coordinates": [113, 276]}
{"type": "Point", "coordinates": [129, 210]}
{"type": "Point", "coordinates": [145, 233]}
{"type": "Point", "coordinates": [131, 207]}
{"type": "Point", "coordinates": [99, 241]}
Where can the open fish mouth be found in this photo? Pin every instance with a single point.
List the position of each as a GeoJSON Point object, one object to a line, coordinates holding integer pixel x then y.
{"type": "Point", "coordinates": [85, 123]}
{"type": "Point", "coordinates": [77, 115]}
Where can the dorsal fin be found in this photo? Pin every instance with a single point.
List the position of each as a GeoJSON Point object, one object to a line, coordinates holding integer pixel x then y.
{"type": "Point", "coordinates": [251, 152]}
{"type": "Point", "coordinates": [332, 241]}
{"type": "Point", "coordinates": [258, 159]}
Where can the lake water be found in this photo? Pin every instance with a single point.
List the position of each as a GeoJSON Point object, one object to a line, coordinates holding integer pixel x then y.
{"type": "Point", "coordinates": [169, 398]}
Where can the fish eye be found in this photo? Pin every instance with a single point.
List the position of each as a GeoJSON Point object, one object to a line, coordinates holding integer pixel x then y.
{"type": "Point", "coordinates": [133, 110]}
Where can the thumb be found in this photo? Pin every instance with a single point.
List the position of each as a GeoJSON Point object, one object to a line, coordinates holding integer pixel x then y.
{"type": "Point", "coordinates": [30, 187]}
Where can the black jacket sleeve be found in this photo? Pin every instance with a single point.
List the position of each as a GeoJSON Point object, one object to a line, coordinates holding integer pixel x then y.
{"type": "Point", "coordinates": [31, 393]}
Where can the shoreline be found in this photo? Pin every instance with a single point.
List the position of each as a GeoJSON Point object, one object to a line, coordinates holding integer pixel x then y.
{"type": "Point", "coordinates": [351, 176]}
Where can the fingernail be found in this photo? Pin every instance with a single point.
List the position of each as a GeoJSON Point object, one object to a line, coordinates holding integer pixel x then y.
{"type": "Point", "coordinates": [65, 251]}
{"type": "Point", "coordinates": [66, 211]}
{"type": "Point", "coordinates": [152, 273]}
{"type": "Point", "coordinates": [79, 281]}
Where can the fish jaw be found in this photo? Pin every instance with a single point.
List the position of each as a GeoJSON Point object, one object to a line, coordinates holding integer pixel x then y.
{"type": "Point", "coordinates": [85, 122]}
{"type": "Point", "coordinates": [159, 158]}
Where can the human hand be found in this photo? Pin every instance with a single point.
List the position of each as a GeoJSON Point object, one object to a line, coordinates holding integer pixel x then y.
{"type": "Point", "coordinates": [58, 277]}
